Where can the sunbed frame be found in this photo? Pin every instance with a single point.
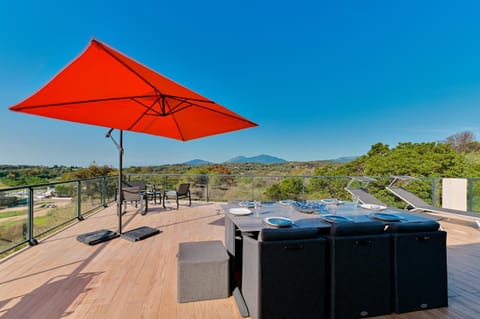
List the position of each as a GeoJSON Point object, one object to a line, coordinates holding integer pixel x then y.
{"type": "Point", "coordinates": [364, 197]}
{"type": "Point", "coordinates": [415, 203]}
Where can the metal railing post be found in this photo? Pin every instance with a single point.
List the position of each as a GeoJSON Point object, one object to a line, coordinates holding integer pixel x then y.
{"type": "Point", "coordinates": [104, 191]}
{"type": "Point", "coordinates": [470, 194]}
{"type": "Point", "coordinates": [31, 240]}
{"type": "Point", "coordinates": [79, 201]}
{"type": "Point", "coordinates": [206, 189]}
{"type": "Point", "coordinates": [303, 188]}
{"type": "Point", "coordinates": [434, 192]}
{"type": "Point", "coordinates": [253, 188]}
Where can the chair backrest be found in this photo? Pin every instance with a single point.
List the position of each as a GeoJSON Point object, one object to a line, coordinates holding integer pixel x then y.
{"type": "Point", "coordinates": [141, 184]}
{"type": "Point", "coordinates": [408, 197]}
{"type": "Point", "coordinates": [131, 193]}
{"type": "Point", "coordinates": [417, 227]}
{"type": "Point", "coordinates": [183, 189]}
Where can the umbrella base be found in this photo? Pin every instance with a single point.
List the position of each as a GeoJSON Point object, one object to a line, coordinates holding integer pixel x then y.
{"type": "Point", "coordinates": [140, 233]}
{"type": "Point", "coordinates": [98, 236]}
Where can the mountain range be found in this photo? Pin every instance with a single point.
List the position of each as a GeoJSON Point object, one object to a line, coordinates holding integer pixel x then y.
{"type": "Point", "coordinates": [261, 159]}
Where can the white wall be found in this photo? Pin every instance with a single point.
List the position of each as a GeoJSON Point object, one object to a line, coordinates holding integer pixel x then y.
{"type": "Point", "coordinates": [454, 193]}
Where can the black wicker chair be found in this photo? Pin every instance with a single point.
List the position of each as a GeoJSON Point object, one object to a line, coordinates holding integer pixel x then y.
{"type": "Point", "coordinates": [358, 270]}
{"type": "Point", "coordinates": [419, 266]}
{"type": "Point", "coordinates": [283, 274]}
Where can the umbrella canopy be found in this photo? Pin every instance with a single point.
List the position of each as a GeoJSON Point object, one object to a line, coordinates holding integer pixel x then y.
{"type": "Point", "coordinates": [106, 88]}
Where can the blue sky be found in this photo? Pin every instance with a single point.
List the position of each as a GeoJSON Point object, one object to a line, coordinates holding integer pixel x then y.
{"type": "Point", "coordinates": [323, 79]}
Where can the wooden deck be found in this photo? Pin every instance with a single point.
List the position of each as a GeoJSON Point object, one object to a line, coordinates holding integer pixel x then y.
{"type": "Point", "coordinates": [63, 278]}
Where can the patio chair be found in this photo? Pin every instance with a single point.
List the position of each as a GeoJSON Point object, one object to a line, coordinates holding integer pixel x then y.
{"type": "Point", "coordinates": [364, 197]}
{"type": "Point", "coordinates": [140, 184]}
{"type": "Point", "coordinates": [417, 204]}
{"type": "Point", "coordinates": [358, 270]}
{"type": "Point", "coordinates": [283, 274]}
{"type": "Point", "coordinates": [183, 191]}
{"type": "Point", "coordinates": [134, 194]}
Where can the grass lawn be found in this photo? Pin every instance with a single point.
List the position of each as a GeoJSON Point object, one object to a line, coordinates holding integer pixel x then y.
{"type": "Point", "coordinates": [13, 213]}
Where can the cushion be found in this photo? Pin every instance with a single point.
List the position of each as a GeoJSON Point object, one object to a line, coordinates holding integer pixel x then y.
{"type": "Point", "coordinates": [353, 229]}
{"type": "Point", "coordinates": [414, 227]}
{"type": "Point", "coordinates": [270, 234]}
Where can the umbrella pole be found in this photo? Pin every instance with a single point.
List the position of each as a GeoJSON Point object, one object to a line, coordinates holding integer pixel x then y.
{"type": "Point", "coordinates": [120, 184]}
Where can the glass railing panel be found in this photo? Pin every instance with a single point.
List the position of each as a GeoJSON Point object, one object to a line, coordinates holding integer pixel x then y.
{"type": "Point", "coordinates": [13, 217]}
{"type": "Point", "coordinates": [229, 187]}
{"type": "Point", "coordinates": [320, 187]}
{"type": "Point", "coordinates": [274, 188]}
{"type": "Point", "coordinates": [91, 192]}
{"type": "Point", "coordinates": [474, 194]}
{"type": "Point", "coordinates": [111, 183]}
{"type": "Point", "coordinates": [53, 209]}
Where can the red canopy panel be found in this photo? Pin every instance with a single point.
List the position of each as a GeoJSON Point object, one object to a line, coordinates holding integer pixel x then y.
{"type": "Point", "coordinates": [106, 88]}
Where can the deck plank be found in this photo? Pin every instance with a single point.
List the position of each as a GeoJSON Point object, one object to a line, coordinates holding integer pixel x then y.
{"type": "Point", "coordinates": [63, 278]}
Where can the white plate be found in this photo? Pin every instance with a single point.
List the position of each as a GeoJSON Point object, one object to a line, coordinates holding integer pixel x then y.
{"type": "Point", "coordinates": [335, 218]}
{"type": "Point", "coordinates": [387, 217]}
{"type": "Point", "coordinates": [330, 201]}
{"type": "Point", "coordinates": [239, 211]}
{"type": "Point", "coordinates": [278, 221]}
{"type": "Point", "coordinates": [373, 207]}
{"type": "Point", "coordinates": [286, 202]}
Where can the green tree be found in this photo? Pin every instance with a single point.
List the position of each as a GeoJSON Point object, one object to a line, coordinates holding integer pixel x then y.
{"type": "Point", "coordinates": [288, 188]}
{"type": "Point", "coordinates": [463, 142]}
{"type": "Point", "coordinates": [91, 171]}
{"type": "Point", "coordinates": [425, 160]}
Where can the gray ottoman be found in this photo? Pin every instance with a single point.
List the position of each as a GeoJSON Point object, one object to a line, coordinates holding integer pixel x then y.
{"type": "Point", "coordinates": [202, 271]}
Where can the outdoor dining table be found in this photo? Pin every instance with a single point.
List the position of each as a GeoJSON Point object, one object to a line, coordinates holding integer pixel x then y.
{"type": "Point", "coordinates": [241, 224]}
{"type": "Point", "coordinates": [255, 221]}
{"type": "Point", "coordinates": [237, 226]}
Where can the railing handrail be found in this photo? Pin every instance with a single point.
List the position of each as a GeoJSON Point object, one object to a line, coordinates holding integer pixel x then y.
{"type": "Point", "coordinates": [7, 189]}
{"type": "Point", "coordinates": [12, 188]}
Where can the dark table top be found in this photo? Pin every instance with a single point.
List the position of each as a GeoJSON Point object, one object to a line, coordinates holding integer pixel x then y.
{"type": "Point", "coordinates": [356, 214]}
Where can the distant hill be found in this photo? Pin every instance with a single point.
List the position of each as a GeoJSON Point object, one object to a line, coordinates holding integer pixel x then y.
{"type": "Point", "coordinates": [197, 162]}
{"type": "Point", "coordinates": [262, 159]}
{"type": "Point", "coordinates": [344, 159]}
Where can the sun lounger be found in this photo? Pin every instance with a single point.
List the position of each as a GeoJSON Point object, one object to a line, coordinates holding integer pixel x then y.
{"type": "Point", "coordinates": [415, 203]}
{"type": "Point", "coordinates": [364, 197]}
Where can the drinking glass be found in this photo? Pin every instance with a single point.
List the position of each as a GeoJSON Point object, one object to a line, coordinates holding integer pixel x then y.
{"type": "Point", "coordinates": [257, 205]}
{"type": "Point", "coordinates": [355, 200]}
{"type": "Point", "coordinates": [332, 208]}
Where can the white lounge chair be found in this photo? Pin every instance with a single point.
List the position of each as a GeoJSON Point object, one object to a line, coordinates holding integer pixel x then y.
{"type": "Point", "coordinates": [364, 197]}
{"type": "Point", "coordinates": [415, 203]}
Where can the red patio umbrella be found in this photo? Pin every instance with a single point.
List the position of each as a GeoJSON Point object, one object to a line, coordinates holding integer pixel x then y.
{"type": "Point", "coordinates": [106, 88]}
